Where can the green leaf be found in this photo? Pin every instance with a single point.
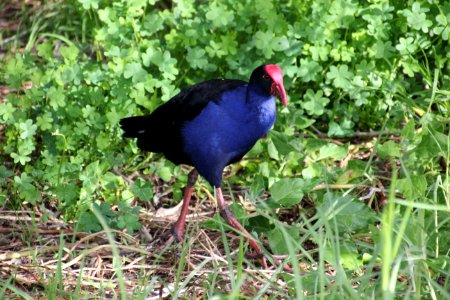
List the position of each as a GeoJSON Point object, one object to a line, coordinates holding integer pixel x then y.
{"type": "Point", "coordinates": [312, 171]}
{"type": "Point", "coordinates": [4, 172]}
{"type": "Point", "coordinates": [15, 72]}
{"type": "Point", "coordinates": [197, 58]}
{"type": "Point", "coordinates": [142, 189]}
{"type": "Point", "coordinates": [309, 70]}
{"type": "Point", "coordinates": [129, 222]}
{"type": "Point", "coordinates": [431, 145]}
{"type": "Point", "coordinates": [340, 130]}
{"type": "Point", "coordinates": [165, 173]}
{"type": "Point", "coordinates": [219, 15]}
{"type": "Point", "coordinates": [282, 142]}
{"type": "Point", "coordinates": [287, 192]}
{"type": "Point", "coordinates": [88, 4]}
{"type": "Point", "coordinates": [152, 56]}
{"type": "Point", "coordinates": [340, 76]}
{"type": "Point", "coordinates": [314, 103]}
{"type": "Point", "coordinates": [265, 42]}
{"type": "Point", "coordinates": [444, 28]}
{"type": "Point", "coordinates": [94, 76]}
{"type": "Point", "coordinates": [349, 256]}
{"type": "Point", "coordinates": [45, 50]}
{"type": "Point", "coordinates": [215, 49]}
{"type": "Point", "coordinates": [277, 240]}
{"type": "Point", "coordinates": [264, 169]}
{"type": "Point", "coordinates": [135, 71]}
{"type": "Point", "coordinates": [355, 169]}
{"type": "Point", "coordinates": [406, 46]}
{"type": "Point", "coordinates": [88, 222]}
{"type": "Point", "coordinates": [44, 122]}
{"type": "Point", "coordinates": [128, 217]}
{"type": "Point", "coordinates": [349, 214]}
{"type": "Point", "coordinates": [272, 150]}
{"type": "Point", "coordinates": [383, 49]}
{"type": "Point", "coordinates": [113, 116]}
{"type": "Point", "coordinates": [332, 151]}
{"type": "Point", "coordinates": [302, 121]}
{"type": "Point", "coordinates": [388, 149]}
{"type": "Point", "coordinates": [57, 97]}
{"type": "Point", "coordinates": [67, 74]}
{"type": "Point", "coordinates": [319, 52]}
{"type": "Point", "coordinates": [152, 24]}
{"type": "Point", "coordinates": [228, 43]}
{"type": "Point", "coordinates": [27, 129]}
{"type": "Point", "coordinates": [89, 177]}
{"type": "Point", "coordinates": [70, 54]}
{"type": "Point", "coordinates": [413, 187]}
{"type": "Point", "coordinates": [7, 111]}
{"type": "Point", "coordinates": [168, 66]}
{"type": "Point", "coordinates": [260, 224]}
{"type": "Point", "coordinates": [67, 193]}
{"type": "Point", "coordinates": [408, 132]}
{"type": "Point", "coordinates": [26, 188]}
{"type": "Point", "coordinates": [417, 17]}
{"type": "Point", "coordinates": [168, 90]}
{"type": "Point", "coordinates": [21, 157]}
{"type": "Point", "coordinates": [103, 141]}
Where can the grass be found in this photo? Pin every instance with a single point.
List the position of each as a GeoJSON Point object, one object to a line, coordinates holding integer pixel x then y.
{"type": "Point", "coordinates": [402, 253]}
{"type": "Point", "coordinates": [63, 263]}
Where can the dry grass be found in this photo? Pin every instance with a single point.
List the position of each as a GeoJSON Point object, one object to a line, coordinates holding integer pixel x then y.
{"type": "Point", "coordinates": [34, 247]}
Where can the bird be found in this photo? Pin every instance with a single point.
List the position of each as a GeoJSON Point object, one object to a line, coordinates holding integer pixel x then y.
{"type": "Point", "coordinates": [208, 126]}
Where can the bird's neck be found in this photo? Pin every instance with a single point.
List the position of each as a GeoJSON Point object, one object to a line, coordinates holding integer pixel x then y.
{"type": "Point", "coordinates": [261, 108]}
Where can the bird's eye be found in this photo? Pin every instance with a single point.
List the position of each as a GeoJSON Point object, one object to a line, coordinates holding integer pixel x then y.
{"type": "Point", "coordinates": [266, 77]}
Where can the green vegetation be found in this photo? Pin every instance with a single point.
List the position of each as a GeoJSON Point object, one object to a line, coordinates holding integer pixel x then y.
{"type": "Point", "coordinates": [352, 184]}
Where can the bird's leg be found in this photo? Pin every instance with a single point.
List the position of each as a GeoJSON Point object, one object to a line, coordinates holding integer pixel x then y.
{"type": "Point", "coordinates": [226, 213]}
{"type": "Point", "coordinates": [178, 228]}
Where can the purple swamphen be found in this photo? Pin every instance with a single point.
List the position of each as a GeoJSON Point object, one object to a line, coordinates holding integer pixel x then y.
{"type": "Point", "coordinates": [208, 126]}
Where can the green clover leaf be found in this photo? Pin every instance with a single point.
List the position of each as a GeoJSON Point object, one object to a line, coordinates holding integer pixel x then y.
{"type": "Point", "coordinates": [309, 70]}
{"type": "Point", "coordinates": [417, 18]}
{"type": "Point", "coordinates": [315, 103]}
{"type": "Point", "coordinates": [340, 76]}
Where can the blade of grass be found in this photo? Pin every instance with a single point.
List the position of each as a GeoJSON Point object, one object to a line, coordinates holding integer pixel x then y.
{"type": "Point", "coordinates": [298, 283]}
{"type": "Point", "coordinates": [115, 252]}
{"type": "Point", "coordinates": [16, 291]}
{"type": "Point", "coordinates": [387, 230]}
{"type": "Point", "coordinates": [194, 272]}
{"type": "Point", "coordinates": [181, 264]}
{"type": "Point", "coordinates": [424, 206]}
{"type": "Point", "coordinates": [226, 247]}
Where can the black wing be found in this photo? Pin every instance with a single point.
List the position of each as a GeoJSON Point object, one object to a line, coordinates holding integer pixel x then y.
{"type": "Point", "coordinates": [160, 131]}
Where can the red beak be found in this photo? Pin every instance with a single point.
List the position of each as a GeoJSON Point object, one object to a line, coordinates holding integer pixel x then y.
{"type": "Point", "coordinates": [277, 90]}
{"type": "Point", "coordinates": [277, 87]}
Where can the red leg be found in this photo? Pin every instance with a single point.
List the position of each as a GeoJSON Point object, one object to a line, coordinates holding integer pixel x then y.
{"type": "Point", "coordinates": [178, 228]}
{"type": "Point", "coordinates": [226, 213]}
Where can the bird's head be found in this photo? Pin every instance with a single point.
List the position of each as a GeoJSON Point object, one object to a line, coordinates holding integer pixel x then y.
{"type": "Point", "coordinates": [270, 79]}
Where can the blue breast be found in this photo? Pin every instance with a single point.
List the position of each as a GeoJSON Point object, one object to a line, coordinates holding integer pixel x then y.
{"type": "Point", "coordinates": [225, 131]}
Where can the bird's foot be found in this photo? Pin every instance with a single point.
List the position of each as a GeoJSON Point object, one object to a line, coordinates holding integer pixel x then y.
{"type": "Point", "coordinates": [177, 233]}
{"type": "Point", "coordinates": [259, 254]}
{"type": "Point", "coordinates": [286, 267]}
{"type": "Point", "coordinates": [174, 234]}
{"type": "Point", "coordinates": [264, 258]}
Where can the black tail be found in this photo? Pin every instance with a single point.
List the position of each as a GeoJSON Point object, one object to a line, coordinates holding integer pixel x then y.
{"type": "Point", "coordinates": [134, 127]}
{"type": "Point", "coordinates": [143, 129]}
